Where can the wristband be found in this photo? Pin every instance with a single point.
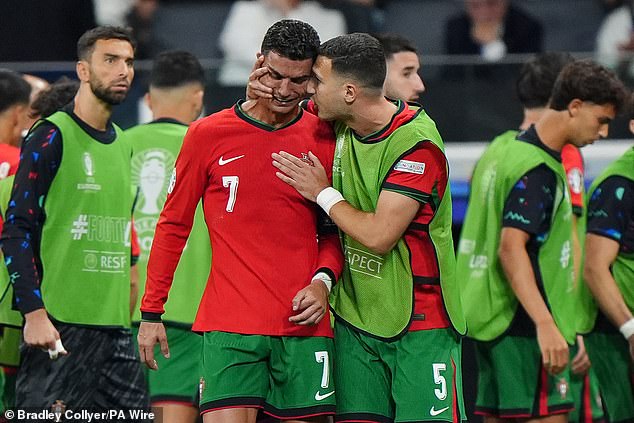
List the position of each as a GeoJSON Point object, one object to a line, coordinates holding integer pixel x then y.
{"type": "Point", "coordinates": [627, 328]}
{"type": "Point", "coordinates": [323, 276]}
{"type": "Point", "coordinates": [327, 198]}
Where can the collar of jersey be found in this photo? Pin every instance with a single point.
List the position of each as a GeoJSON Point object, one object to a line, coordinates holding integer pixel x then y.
{"type": "Point", "coordinates": [258, 123]}
{"type": "Point", "coordinates": [402, 116]}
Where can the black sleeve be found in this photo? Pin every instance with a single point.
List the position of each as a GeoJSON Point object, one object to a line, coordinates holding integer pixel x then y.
{"type": "Point", "coordinates": [529, 205]}
{"type": "Point", "coordinates": [611, 208]}
{"type": "Point", "coordinates": [40, 157]}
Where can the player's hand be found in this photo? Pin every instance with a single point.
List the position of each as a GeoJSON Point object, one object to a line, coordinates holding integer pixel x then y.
{"type": "Point", "coordinates": [255, 88]}
{"type": "Point", "coordinates": [40, 332]}
{"type": "Point", "coordinates": [150, 334]}
{"type": "Point", "coordinates": [311, 303]}
{"type": "Point", "coordinates": [581, 362]}
{"type": "Point", "coordinates": [309, 179]}
{"type": "Point", "coordinates": [553, 347]}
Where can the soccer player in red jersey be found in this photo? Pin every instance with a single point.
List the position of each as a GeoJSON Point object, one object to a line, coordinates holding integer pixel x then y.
{"type": "Point", "coordinates": [267, 335]}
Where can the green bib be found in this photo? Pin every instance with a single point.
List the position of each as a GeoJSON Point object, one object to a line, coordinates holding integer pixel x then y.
{"type": "Point", "coordinates": [623, 266]}
{"type": "Point", "coordinates": [85, 246]}
{"type": "Point", "coordinates": [155, 148]}
{"type": "Point", "coordinates": [375, 293]}
{"type": "Point", "coordinates": [488, 300]}
{"type": "Point", "coordinates": [8, 316]}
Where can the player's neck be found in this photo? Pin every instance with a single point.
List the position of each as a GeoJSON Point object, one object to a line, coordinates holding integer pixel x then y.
{"type": "Point", "coordinates": [371, 116]}
{"type": "Point", "coordinates": [92, 110]}
{"type": "Point", "coordinates": [261, 111]}
{"type": "Point", "coordinates": [552, 129]}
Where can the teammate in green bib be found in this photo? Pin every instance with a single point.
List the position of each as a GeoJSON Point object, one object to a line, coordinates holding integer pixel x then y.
{"type": "Point", "coordinates": [397, 304]}
{"type": "Point", "coordinates": [176, 99]}
{"type": "Point", "coordinates": [609, 273]}
{"type": "Point", "coordinates": [66, 242]}
{"type": "Point", "coordinates": [515, 260]}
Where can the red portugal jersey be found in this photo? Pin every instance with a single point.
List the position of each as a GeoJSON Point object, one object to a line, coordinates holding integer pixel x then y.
{"type": "Point", "coordinates": [263, 233]}
{"type": "Point", "coordinates": [9, 160]}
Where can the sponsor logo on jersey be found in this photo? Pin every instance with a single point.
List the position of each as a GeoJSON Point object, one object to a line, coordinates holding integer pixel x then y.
{"type": "Point", "coordinates": [433, 412]}
{"type": "Point", "coordinates": [361, 261]}
{"type": "Point", "coordinates": [222, 161]}
{"type": "Point", "coordinates": [320, 397]}
{"type": "Point", "coordinates": [103, 229]}
{"type": "Point", "coordinates": [410, 167]}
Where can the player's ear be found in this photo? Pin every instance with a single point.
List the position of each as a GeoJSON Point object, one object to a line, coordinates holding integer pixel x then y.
{"type": "Point", "coordinates": [83, 72]}
{"type": "Point", "coordinates": [574, 106]}
{"type": "Point", "coordinates": [351, 92]}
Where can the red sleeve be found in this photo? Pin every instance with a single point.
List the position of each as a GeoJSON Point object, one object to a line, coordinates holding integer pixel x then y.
{"type": "Point", "coordinates": [573, 164]}
{"type": "Point", "coordinates": [419, 174]}
{"type": "Point", "coordinates": [186, 188]}
{"type": "Point", "coordinates": [330, 255]}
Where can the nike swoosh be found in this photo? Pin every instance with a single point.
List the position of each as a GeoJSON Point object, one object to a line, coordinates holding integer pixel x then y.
{"type": "Point", "coordinates": [319, 397]}
{"type": "Point", "coordinates": [222, 162]}
{"type": "Point", "coordinates": [434, 412]}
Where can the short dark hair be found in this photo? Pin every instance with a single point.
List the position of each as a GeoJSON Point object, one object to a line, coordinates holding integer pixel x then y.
{"type": "Point", "coordinates": [54, 97]}
{"type": "Point", "coordinates": [359, 56]}
{"type": "Point", "coordinates": [293, 39]}
{"type": "Point", "coordinates": [394, 43]}
{"type": "Point", "coordinates": [587, 81]}
{"type": "Point", "coordinates": [13, 89]}
{"type": "Point", "coordinates": [86, 43]}
{"type": "Point", "coordinates": [537, 78]}
{"type": "Point", "coordinates": [176, 68]}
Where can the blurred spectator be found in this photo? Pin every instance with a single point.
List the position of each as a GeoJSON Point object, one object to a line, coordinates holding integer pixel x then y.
{"type": "Point", "coordinates": [248, 21]}
{"type": "Point", "coordinates": [402, 81]}
{"type": "Point", "coordinates": [610, 5]}
{"type": "Point", "coordinates": [491, 29]}
{"type": "Point", "coordinates": [615, 41]}
{"type": "Point", "coordinates": [140, 19]}
{"type": "Point", "coordinates": [54, 98]}
{"type": "Point", "coordinates": [32, 31]}
{"type": "Point", "coordinates": [112, 12]}
{"type": "Point", "coordinates": [37, 86]}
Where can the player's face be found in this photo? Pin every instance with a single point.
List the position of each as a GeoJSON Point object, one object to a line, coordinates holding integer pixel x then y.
{"type": "Point", "coordinates": [402, 81]}
{"type": "Point", "coordinates": [591, 122]}
{"type": "Point", "coordinates": [111, 70]}
{"type": "Point", "coordinates": [289, 80]}
{"type": "Point", "coordinates": [327, 90]}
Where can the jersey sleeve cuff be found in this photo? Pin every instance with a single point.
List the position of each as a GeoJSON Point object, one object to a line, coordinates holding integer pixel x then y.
{"type": "Point", "coordinates": [327, 271]}
{"type": "Point", "coordinates": [147, 316]}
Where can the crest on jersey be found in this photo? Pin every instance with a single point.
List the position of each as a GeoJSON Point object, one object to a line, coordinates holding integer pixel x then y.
{"type": "Point", "coordinates": [562, 387]}
{"type": "Point", "coordinates": [306, 159]}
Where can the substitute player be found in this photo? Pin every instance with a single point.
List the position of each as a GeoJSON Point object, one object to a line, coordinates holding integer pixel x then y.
{"type": "Point", "coordinates": [515, 260]}
{"type": "Point", "coordinates": [609, 273]}
{"type": "Point", "coordinates": [175, 98]}
{"type": "Point", "coordinates": [81, 301]}
{"type": "Point", "coordinates": [397, 306]}
{"type": "Point", "coordinates": [266, 343]}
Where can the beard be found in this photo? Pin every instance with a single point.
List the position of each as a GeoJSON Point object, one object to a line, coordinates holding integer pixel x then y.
{"type": "Point", "coordinates": [106, 95]}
